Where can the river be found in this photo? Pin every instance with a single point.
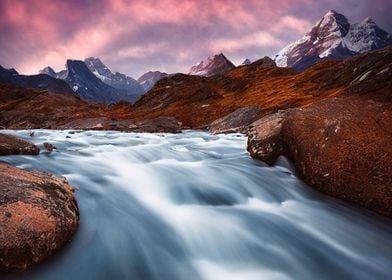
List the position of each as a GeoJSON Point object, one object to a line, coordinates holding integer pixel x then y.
{"type": "Point", "coordinates": [197, 206]}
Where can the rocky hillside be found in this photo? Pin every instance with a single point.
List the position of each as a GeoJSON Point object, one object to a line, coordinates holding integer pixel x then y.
{"type": "Point", "coordinates": [197, 101]}
{"type": "Point", "coordinates": [333, 37]}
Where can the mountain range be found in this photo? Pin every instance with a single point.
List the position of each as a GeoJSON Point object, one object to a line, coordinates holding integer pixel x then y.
{"type": "Point", "coordinates": [40, 81]}
{"type": "Point", "coordinates": [333, 37]}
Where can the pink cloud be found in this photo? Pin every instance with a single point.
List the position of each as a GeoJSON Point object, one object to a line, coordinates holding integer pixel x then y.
{"type": "Point", "coordinates": [139, 35]}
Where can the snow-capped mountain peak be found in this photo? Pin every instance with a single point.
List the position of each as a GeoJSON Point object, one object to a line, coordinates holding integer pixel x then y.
{"type": "Point", "coordinates": [332, 37]}
{"type": "Point", "coordinates": [246, 62]}
{"type": "Point", "coordinates": [332, 24]}
{"type": "Point", "coordinates": [214, 64]}
{"type": "Point", "coordinates": [116, 80]}
{"type": "Point", "coordinates": [149, 79]}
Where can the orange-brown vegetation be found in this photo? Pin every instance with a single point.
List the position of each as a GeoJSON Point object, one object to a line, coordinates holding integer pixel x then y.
{"type": "Point", "coordinates": [197, 101]}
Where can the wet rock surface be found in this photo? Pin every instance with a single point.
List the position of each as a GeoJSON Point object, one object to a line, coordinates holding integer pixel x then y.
{"type": "Point", "coordinates": [236, 121]}
{"type": "Point", "coordinates": [38, 215]}
{"type": "Point", "coordinates": [340, 146]}
{"type": "Point", "coordinates": [11, 145]}
{"type": "Point", "coordinates": [49, 147]}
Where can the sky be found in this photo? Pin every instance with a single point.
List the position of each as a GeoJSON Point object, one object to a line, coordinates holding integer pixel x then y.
{"type": "Point", "coordinates": [136, 36]}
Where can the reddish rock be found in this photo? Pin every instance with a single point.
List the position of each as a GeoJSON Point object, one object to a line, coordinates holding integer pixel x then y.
{"type": "Point", "coordinates": [49, 147]}
{"type": "Point", "coordinates": [236, 121]}
{"type": "Point", "coordinates": [340, 146]}
{"type": "Point", "coordinates": [11, 145]}
{"type": "Point", "coordinates": [38, 215]}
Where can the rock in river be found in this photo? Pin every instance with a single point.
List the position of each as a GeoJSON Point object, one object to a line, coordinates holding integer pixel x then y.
{"type": "Point", "coordinates": [340, 146]}
{"type": "Point", "coordinates": [38, 215]}
{"type": "Point", "coordinates": [11, 145]}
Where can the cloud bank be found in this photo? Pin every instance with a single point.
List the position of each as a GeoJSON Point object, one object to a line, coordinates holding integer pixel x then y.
{"type": "Point", "coordinates": [135, 36]}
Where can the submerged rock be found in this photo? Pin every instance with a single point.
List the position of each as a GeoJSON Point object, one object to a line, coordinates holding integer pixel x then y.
{"type": "Point", "coordinates": [38, 215]}
{"type": "Point", "coordinates": [49, 147]}
{"type": "Point", "coordinates": [236, 121]}
{"type": "Point", "coordinates": [340, 146]}
{"type": "Point", "coordinates": [11, 145]}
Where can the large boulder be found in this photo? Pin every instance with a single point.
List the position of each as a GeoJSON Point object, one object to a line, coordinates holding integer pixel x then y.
{"type": "Point", "coordinates": [236, 121]}
{"type": "Point", "coordinates": [11, 145]}
{"type": "Point", "coordinates": [38, 215]}
{"type": "Point", "coordinates": [340, 146]}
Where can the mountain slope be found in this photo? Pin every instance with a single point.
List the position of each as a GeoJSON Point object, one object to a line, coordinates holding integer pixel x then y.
{"type": "Point", "coordinates": [88, 87]}
{"type": "Point", "coordinates": [117, 80]}
{"type": "Point", "coordinates": [333, 37]}
{"type": "Point", "coordinates": [215, 64]}
{"type": "Point", "coordinates": [149, 79]}
{"type": "Point", "coordinates": [40, 81]}
{"type": "Point", "coordinates": [197, 101]}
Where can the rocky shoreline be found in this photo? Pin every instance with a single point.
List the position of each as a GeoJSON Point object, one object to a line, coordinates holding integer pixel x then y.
{"type": "Point", "coordinates": [38, 211]}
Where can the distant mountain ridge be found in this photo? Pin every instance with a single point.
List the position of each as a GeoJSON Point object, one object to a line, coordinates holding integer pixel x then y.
{"type": "Point", "coordinates": [90, 88]}
{"type": "Point", "coordinates": [40, 81]}
{"type": "Point", "coordinates": [213, 65]}
{"type": "Point", "coordinates": [150, 78]}
{"type": "Point", "coordinates": [333, 37]}
{"type": "Point", "coordinates": [116, 80]}
{"type": "Point", "coordinates": [92, 81]}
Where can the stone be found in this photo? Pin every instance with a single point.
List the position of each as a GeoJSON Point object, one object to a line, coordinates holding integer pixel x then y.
{"type": "Point", "coordinates": [236, 121]}
{"type": "Point", "coordinates": [11, 145]}
{"type": "Point", "coordinates": [340, 146]}
{"type": "Point", "coordinates": [38, 215]}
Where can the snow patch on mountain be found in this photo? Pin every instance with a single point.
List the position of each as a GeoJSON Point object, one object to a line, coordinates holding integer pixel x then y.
{"type": "Point", "coordinates": [215, 64]}
{"type": "Point", "coordinates": [149, 79]}
{"type": "Point", "coordinates": [333, 37]}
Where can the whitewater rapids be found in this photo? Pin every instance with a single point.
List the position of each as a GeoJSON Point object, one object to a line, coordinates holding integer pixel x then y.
{"type": "Point", "coordinates": [196, 206]}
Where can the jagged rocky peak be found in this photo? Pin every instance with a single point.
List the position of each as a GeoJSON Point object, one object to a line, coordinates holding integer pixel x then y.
{"type": "Point", "coordinates": [97, 67]}
{"type": "Point", "coordinates": [333, 37]}
{"type": "Point", "coordinates": [246, 62]}
{"type": "Point", "coordinates": [331, 24]}
{"type": "Point", "coordinates": [266, 61]}
{"type": "Point", "coordinates": [48, 71]}
{"type": "Point", "coordinates": [116, 80]}
{"type": "Point", "coordinates": [76, 67]}
{"type": "Point", "coordinates": [215, 64]}
{"type": "Point", "coordinates": [150, 78]}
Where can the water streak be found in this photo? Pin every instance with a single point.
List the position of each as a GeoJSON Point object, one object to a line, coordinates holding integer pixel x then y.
{"type": "Point", "coordinates": [196, 206]}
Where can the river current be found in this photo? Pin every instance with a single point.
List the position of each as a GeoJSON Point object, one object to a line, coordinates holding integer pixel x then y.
{"type": "Point", "coordinates": [197, 206]}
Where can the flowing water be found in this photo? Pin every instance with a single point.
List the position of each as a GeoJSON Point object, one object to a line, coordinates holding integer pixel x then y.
{"type": "Point", "coordinates": [196, 206]}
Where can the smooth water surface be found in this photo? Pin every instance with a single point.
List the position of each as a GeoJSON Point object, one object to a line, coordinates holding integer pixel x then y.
{"type": "Point", "coordinates": [196, 206]}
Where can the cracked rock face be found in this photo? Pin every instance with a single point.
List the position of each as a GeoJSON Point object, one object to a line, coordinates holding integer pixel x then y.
{"type": "Point", "coordinates": [38, 215]}
{"type": "Point", "coordinates": [340, 146]}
